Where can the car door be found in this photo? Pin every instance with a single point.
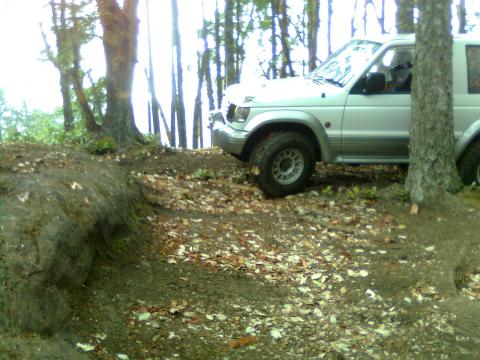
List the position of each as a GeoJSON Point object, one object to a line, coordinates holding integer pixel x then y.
{"type": "Point", "coordinates": [375, 126]}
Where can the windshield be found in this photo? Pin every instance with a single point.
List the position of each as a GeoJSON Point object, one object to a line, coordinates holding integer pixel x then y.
{"type": "Point", "coordinates": [341, 66]}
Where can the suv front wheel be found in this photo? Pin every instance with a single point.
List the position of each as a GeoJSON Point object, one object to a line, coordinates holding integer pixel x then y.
{"type": "Point", "coordinates": [282, 163]}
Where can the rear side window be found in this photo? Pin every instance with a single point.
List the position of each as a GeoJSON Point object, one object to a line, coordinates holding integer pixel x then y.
{"type": "Point", "coordinates": [473, 63]}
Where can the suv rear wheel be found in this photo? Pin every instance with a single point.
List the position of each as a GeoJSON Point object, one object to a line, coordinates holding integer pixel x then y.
{"type": "Point", "coordinates": [282, 163]}
{"type": "Point", "coordinates": [469, 166]}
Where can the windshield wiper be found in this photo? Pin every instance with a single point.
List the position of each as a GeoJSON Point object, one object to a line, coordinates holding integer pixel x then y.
{"type": "Point", "coordinates": [319, 79]}
{"type": "Point", "coordinates": [332, 81]}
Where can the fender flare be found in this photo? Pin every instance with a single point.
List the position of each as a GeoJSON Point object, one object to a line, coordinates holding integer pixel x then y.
{"type": "Point", "coordinates": [292, 117]}
{"type": "Point", "coordinates": [469, 134]}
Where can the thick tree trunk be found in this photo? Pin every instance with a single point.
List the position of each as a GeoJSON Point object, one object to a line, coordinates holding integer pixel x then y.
{"type": "Point", "coordinates": [432, 170]}
{"type": "Point", "coordinates": [404, 16]}
{"type": "Point", "coordinates": [313, 13]}
{"type": "Point", "coordinates": [180, 104]}
{"type": "Point", "coordinates": [284, 39]}
{"type": "Point", "coordinates": [120, 30]}
{"type": "Point", "coordinates": [173, 107]}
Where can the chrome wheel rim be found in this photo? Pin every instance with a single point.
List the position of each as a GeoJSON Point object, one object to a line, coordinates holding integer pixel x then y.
{"type": "Point", "coordinates": [288, 166]}
{"type": "Point", "coordinates": [478, 174]}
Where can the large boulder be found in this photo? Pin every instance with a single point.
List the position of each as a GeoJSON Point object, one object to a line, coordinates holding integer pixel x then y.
{"type": "Point", "coordinates": [58, 208]}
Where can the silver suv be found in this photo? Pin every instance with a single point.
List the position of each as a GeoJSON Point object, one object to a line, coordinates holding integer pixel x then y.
{"type": "Point", "coordinates": [353, 109]}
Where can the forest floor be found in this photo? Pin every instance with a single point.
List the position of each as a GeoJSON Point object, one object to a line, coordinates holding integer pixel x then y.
{"type": "Point", "coordinates": [340, 271]}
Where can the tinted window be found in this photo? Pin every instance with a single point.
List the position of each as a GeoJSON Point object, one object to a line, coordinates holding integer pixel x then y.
{"type": "Point", "coordinates": [473, 63]}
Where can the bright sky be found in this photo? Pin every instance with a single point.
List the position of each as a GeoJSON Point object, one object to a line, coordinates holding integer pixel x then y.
{"type": "Point", "coordinates": [24, 78]}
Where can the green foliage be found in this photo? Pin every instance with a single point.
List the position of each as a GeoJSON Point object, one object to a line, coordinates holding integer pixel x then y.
{"type": "Point", "coordinates": [327, 191]}
{"type": "Point", "coordinates": [202, 174]}
{"type": "Point", "coordinates": [101, 146]}
{"type": "Point", "coordinates": [369, 193]}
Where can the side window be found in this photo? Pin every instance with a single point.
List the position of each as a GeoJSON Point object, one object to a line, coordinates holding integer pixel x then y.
{"type": "Point", "coordinates": [473, 66]}
{"type": "Point", "coordinates": [396, 64]}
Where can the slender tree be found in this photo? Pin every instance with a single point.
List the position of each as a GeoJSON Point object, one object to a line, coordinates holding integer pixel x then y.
{"type": "Point", "coordinates": [462, 17]}
{"type": "Point", "coordinates": [197, 108]}
{"type": "Point", "coordinates": [329, 25]}
{"type": "Point", "coordinates": [404, 16]}
{"type": "Point", "coordinates": [274, 17]}
{"type": "Point", "coordinates": [76, 75]}
{"type": "Point", "coordinates": [229, 39]}
{"type": "Point", "coordinates": [180, 105]}
{"type": "Point", "coordinates": [432, 170]}
{"type": "Point", "coordinates": [313, 14]}
{"type": "Point", "coordinates": [120, 30]}
{"type": "Point", "coordinates": [61, 61]}
{"type": "Point", "coordinates": [218, 59]}
{"type": "Point", "coordinates": [154, 111]}
{"type": "Point", "coordinates": [287, 66]}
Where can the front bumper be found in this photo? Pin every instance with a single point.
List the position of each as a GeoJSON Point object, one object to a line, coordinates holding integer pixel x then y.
{"type": "Point", "coordinates": [224, 136]}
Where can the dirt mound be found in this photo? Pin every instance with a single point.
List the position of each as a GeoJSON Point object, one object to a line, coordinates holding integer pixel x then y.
{"type": "Point", "coordinates": [58, 207]}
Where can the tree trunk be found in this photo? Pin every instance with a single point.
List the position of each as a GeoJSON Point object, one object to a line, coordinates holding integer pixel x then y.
{"type": "Point", "coordinates": [273, 65]}
{"type": "Point", "coordinates": [313, 13]}
{"type": "Point", "coordinates": [284, 39]}
{"type": "Point", "coordinates": [353, 29]}
{"type": "Point", "coordinates": [329, 26]}
{"type": "Point", "coordinates": [59, 28]}
{"type": "Point", "coordinates": [173, 106]}
{"type": "Point", "coordinates": [432, 170]}
{"type": "Point", "coordinates": [197, 109]}
{"type": "Point", "coordinates": [218, 59]}
{"type": "Point", "coordinates": [404, 16]}
{"type": "Point", "coordinates": [207, 56]}
{"type": "Point", "coordinates": [229, 44]}
{"type": "Point", "coordinates": [462, 17]}
{"type": "Point", "coordinates": [151, 79]}
{"type": "Point", "coordinates": [120, 30]}
{"type": "Point", "coordinates": [180, 105]}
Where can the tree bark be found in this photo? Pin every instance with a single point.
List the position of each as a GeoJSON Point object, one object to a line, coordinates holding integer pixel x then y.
{"type": "Point", "coordinates": [284, 39]}
{"type": "Point", "coordinates": [61, 60]}
{"type": "Point", "coordinates": [120, 31]}
{"type": "Point", "coordinates": [313, 13]}
{"type": "Point", "coordinates": [432, 170]}
{"type": "Point", "coordinates": [462, 17]}
{"type": "Point", "coordinates": [404, 16]}
{"type": "Point", "coordinates": [229, 44]}
{"type": "Point", "coordinates": [329, 26]}
{"type": "Point", "coordinates": [273, 65]}
{"type": "Point", "coordinates": [151, 79]}
{"type": "Point", "coordinates": [77, 82]}
{"type": "Point", "coordinates": [180, 105]}
{"type": "Point", "coordinates": [197, 109]}
{"type": "Point", "coordinates": [218, 60]}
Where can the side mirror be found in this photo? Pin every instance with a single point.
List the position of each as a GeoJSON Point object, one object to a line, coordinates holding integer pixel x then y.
{"type": "Point", "coordinates": [375, 83]}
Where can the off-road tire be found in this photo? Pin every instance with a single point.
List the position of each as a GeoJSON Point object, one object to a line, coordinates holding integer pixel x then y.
{"type": "Point", "coordinates": [282, 162]}
{"type": "Point", "coordinates": [469, 165]}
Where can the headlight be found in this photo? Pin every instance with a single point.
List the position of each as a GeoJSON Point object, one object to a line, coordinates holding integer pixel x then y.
{"type": "Point", "coordinates": [241, 114]}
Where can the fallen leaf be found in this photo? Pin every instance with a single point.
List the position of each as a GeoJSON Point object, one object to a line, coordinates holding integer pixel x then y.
{"type": "Point", "coordinates": [276, 334]}
{"type": "Point", "coordinates": [414, 209]}
{"type": "Point", "coordinates": [246, 340]}
{"type": "Point", "coordinates": [85, 347]}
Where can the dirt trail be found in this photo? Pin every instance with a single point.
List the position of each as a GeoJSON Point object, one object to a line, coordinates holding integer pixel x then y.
{"type": "Point", "coordinates": [341, 271]}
